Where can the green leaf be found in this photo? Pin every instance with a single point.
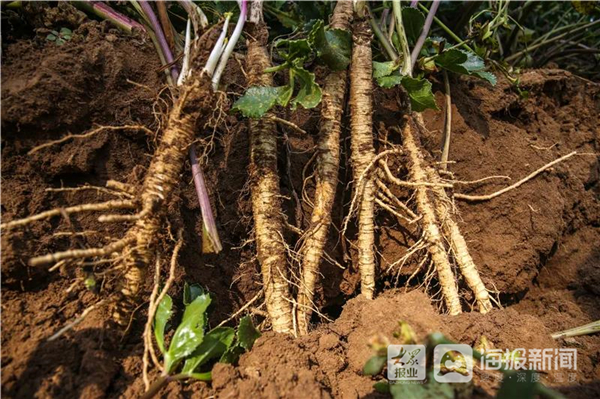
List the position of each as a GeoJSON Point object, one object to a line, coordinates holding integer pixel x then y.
{"type": "Point", "coordinates": [309, 95]}
{"type": "Point", "coordinates": [490, 77]}
{"type": "Point", "coordinates": [215, 343]}
{"type": "Point", "coordinates": [374, 365]}
{"type": "Point", "coordinates": [232, 355]}
{"type": "Point", "coordinates": [285, 94]}
{"type": "Point", "coordinates": [430, 390]}
{"type": "Point", "coordinates": [313, 28]}
{"type": "Point", "coordinates": [247, 333]}
{"type": "Point", "coordinates": [51, 37]}
{"type": "Point", "coordinates": [419, 91]}
{"type": "Point", "coordinates": [465, 63]}
{"type": "Point", "coordinates": [189, 333]}
{"type": "Point", "coordinates": [452, 60]}
{"type": "Point", "coordinates": [334, 46]}
{"type": "Point", "coordinates": [257, 101]}
{"type": "Point", "coordinates": [382, 387]}
{"type": "Point", "coordinates": [513, 388]}
{"type": "Point", "coordinates": [65, 31]}
{"type": "Point", "coordinates": [191, 292]}
{"type": "Point", "coordinates": [389, 81]}
{"type": "Point", "coordinates": [473, 62]}
{"type": "Point", "coordinates": [381, 69]}
{"type": "Point", "coordinates": [292, 50]}
{"type": "Point", "coordinates": [162, 316]}
{"type": "Point", "coordinates": [413, 20]}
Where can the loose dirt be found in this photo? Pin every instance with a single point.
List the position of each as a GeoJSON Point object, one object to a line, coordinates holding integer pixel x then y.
{"type": "Point", "coordinates": [537, 245]}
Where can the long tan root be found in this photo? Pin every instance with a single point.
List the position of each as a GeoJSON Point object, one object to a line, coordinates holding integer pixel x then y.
{"type": "Point", "coordinates": [76, 321]}
{"type": "Point", "coordinates": [475, 198]}
{"type": "Point", "coordinates": [116, 246]}
{"type": "Point", "coordinates": [459, 245]}
{"type": "Point", "coordinates": [101, 206]}
{"type": "Point", "coordinates": [431, 231]}
{"type": "Point", "coordinates": [361, 106]}
{"type": "Point", "coordinates": [328, 159]}
{"type": "Point", "coordinates": [447, 122]}
{"type": "Point", "coordinates": [161, 180]}
{"type": "Point", "coordinates": [264, 186]}
{"type": "Point", "coordinates": [89, 134]}
{"type": "Point", "coordinates": [391, 197]}
{"type": "Point", "coordinates": [105, 190]}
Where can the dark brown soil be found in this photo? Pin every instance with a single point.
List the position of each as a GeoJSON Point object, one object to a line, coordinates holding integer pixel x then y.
{"type": "Point", "coordinates": [537, 245]}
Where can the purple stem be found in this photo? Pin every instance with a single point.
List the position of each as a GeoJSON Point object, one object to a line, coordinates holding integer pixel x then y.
{"type": "Point", "coordinates": [104, 11]}
{"type": "Point", "coordinates": [413, 4]}
{"type": "Point", "coordinates": [160, 36]}
{"type": "Point", "coordinates": [421, 40]}
{"type": "Point", "coordinates": [210, 227]}
{"type": "Point", "coordinates": [384, 17]}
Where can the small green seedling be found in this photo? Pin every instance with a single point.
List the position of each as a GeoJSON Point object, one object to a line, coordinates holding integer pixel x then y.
{"type": "Point", "coordinates": [90, 283]}
{"type": "Point", "coordinates": [61, 37]}
{"type": "Point", "coordinates": [192, 349]}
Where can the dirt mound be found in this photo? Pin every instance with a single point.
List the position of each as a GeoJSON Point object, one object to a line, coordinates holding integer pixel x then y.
{"type": "Point", "coordinates": [536, 245]}
{"type": "Point", "coordinates": [329, 362]}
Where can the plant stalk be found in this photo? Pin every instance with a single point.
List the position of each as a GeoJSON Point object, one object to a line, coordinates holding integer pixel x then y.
{"type": "Point", "coordinates": [160, 37]}
{"type": "Point", "coordinates": [423, 36]}
{"type": "Point", "coordinates": [447, 122]}
{"type": "Point", "coordinates": [235, 36]}
{"type": "Point", "coordinates": [448, 30]}
{"type": "Point", "coordinates": [590, 328]}
{"type": "Point", "coordinates": [387, 46]}
{"type": "Point", "coordinates": [518, 55]}
{"type": "Point", "coordinates": [156, 386]}
{"type": "Point", "coordinates": [216, 52]}
{"type": "Point", "coordinates": [404, 50]}
{"type": "Point", "coordinates": [210, 236]}
{"type": "Point", "coordinates": [190, 7]}
{"type": "Point", "coordinates": [185, 64]}
{"type": "Point", "coordinates": [163, 16]}
{"type": "Point", "coordinates": [104, 11]}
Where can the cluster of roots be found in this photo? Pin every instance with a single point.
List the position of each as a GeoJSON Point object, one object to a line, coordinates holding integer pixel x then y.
{"type": "Point", "coordinates": [441, 249]}
{"type": "Point", "coordinates": [132, 254]}
{"type": "Point", "coordinates": [434, 214]}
